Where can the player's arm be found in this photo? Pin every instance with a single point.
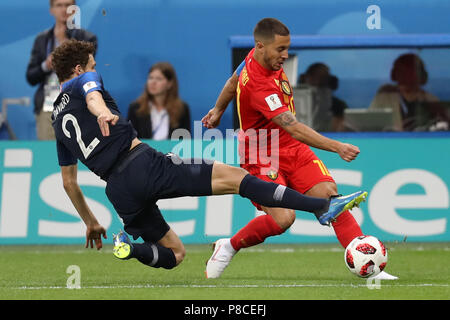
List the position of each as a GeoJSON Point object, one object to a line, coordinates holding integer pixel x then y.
{"type": "Point", "coordinates": [94, 230]}
{"type": "Point", "coordinates": [98, 108]}
{"type": "Point", "coordinates": [309, 136]}
{"type": "Point", "coordinates": [228, 93]}
{"type": "Point", "coordinates": [212, 119]}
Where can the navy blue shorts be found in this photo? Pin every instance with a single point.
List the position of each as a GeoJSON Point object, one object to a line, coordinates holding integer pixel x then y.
{"type": "Point", "coordinates": [143, 177]}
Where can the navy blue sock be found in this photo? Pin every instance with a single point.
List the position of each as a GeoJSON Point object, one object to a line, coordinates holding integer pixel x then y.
{"type": "Point", "coordinates": [270, 194]}
{"type": "Point", "coordinates": [153, 255]}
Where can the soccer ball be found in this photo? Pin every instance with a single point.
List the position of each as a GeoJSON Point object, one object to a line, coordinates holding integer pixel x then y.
{"type": "Point", "coordinates": [365, 256]}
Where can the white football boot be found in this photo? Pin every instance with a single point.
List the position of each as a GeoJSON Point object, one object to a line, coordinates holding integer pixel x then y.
{"type": "Point", "coordinates": [223, 252]}
{"type": "Point", "coordinates": [384, 276]}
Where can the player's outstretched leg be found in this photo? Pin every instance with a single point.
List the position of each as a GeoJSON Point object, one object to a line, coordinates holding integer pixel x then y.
{"type": "Point", "coordinates": [151, 254]}
{"type": "Point", "coordinates": [269, 194]}
{"type": "Point", "coordinates": [232, 180]}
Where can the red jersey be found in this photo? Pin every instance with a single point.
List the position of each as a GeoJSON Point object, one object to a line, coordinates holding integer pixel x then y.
{"type": "Point", "coordinates": [262, 94]}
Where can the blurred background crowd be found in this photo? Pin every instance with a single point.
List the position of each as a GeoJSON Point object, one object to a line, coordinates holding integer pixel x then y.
{"type": "Point", "coordinates": [165, 62]}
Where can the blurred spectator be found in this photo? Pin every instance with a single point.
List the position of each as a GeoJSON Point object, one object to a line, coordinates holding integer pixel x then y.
{"type": "Point", "coordinates": [40, 71]}
{"type": "Point", "coordinates": [159, 110]}
{"type": "Point", "coordinates": [328, 110]}
{"type": "Point", "coordinates": [414, 109]}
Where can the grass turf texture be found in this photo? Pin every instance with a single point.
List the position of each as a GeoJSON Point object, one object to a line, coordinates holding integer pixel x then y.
{"type": "Point", "coordinates": [266, 272]}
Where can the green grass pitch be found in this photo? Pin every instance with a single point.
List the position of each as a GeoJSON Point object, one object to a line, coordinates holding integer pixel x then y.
{"type": "Point", "coordinates": [265, 272]}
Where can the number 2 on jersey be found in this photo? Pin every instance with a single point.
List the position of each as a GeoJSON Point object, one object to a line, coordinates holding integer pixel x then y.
{"type": "Point", "coordinates": [85, 150]}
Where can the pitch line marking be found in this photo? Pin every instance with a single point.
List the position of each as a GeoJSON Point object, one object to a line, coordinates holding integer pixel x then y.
{"type": "Point", "coordinates": [232, 286]}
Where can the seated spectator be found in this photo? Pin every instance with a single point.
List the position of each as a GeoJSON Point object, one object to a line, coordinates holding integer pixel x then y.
{"type": "Point", "coordinates": [328, 111]}
{"type": "Point", "coordinates": [159, 110]}
{"type": "Point", "coordinates": [414, 109]}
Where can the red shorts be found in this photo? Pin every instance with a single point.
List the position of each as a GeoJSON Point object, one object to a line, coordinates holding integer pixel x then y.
{"type": "Point", "coordinates": [299, 169]}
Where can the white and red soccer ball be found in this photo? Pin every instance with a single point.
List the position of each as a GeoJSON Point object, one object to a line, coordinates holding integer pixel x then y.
{"type": "Point", "coordinates": [365, 256]}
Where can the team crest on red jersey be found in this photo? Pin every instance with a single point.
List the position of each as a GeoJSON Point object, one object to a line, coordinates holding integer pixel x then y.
{"type": "Point", "coordinates": [286, 87]}
{"type": "Point", "coordinates": [272, 174]}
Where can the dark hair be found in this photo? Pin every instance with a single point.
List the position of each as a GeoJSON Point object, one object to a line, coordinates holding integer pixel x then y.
{"type": "Point", "coordinates": [326, 80]}
{"type": "Point", "coordinates": [70, 54]}
{"type": "Point", "coordinates": [267, 28]}
{"type": "Point", "coordinates": [409, 68]}
{"type": "Point", "coordinates": [173, 104]}
{"type": "Point", "coordinates": [313, 68]}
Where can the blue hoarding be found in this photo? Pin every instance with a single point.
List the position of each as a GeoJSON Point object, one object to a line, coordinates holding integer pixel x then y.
{"type": "Point", "coordinates": [407, 178]}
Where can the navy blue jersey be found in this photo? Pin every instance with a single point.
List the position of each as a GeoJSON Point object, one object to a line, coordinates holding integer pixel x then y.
{"type": "Point", "coordinates": [77, 132]}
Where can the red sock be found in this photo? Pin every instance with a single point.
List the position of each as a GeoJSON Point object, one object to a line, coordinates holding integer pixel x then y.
{"type": "Point", "coordinates": [346, 228]}
{"type": "Point", "coordinates": [255, 232]}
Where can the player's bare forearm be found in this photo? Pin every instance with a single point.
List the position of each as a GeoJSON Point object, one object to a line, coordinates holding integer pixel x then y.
{"type": "Point", "coordinates": [309, 136]}
{"type": "Point", "coordinates": [69, 176]}
{"type": "Point", "coordinates": [94, 231]}
{"type": "Point", "coordinates": [212, 118]}
{"type": "Point", "coordinates": [96, 104]}
{"type": "Point", "coordinates": [303, 133]}
{"type": "Point", "coordinates": [228, 93]}
{"type": "Point", "coordinates": [98, 108]}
